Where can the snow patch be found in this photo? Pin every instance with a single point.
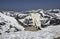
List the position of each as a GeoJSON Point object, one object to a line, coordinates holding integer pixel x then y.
{"type": "Point", "coordinates": [9, 21]}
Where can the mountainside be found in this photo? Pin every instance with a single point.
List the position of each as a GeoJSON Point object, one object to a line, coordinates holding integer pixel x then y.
{"type": "Point", "coordinates": [18, 25]}
{"type": "Point", "coordinates": [7, 23]}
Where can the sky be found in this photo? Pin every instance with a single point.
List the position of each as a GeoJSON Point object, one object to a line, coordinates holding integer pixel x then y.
{"type": "Point", "coordinates": [21, 5]}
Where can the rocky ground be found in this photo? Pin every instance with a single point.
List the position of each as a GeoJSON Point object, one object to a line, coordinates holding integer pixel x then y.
{"type": "Point", "coordinates": [31, 28]}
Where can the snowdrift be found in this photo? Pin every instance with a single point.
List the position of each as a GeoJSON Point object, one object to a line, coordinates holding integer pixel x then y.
{"type": "Point", "coordinates": [7, 22]}
{"type": "Point", "coordinates": [49, 32]}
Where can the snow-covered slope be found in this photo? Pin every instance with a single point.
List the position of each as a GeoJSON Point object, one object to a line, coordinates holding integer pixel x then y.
{"type": "Point", "coordinates": [49, 32]}
{"type": "Point", "coordinates": [9, 22]}
{"type": "Point", "coordinates": [6, 22]}
{"type": "Point", "coordinates": [46, 15]}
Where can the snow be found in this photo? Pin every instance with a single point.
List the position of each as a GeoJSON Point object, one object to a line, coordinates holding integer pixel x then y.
{"type": "Point", "coordinates": [58, 16]}
{"type": "Point", "coordinates": [49, 32]}
{"type": "Point", "coordinates": [9, 21]}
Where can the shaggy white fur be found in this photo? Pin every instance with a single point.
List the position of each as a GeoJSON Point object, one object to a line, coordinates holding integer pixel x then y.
{"type": "Point", "coordinates": [36, 19]}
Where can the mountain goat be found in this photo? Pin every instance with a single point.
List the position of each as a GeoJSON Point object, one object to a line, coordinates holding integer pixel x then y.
{"type": "Point", "coordinates": [36, 20]}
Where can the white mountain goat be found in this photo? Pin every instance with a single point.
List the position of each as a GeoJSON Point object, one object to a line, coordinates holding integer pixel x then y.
{"type": "Point", "coordinates": [36, 20]}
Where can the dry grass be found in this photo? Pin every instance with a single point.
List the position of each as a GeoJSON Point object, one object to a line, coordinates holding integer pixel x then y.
{"type": "Point", "coordinates": [31, 28]}
{"type": "Point", "coordinates": [57, 38]}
